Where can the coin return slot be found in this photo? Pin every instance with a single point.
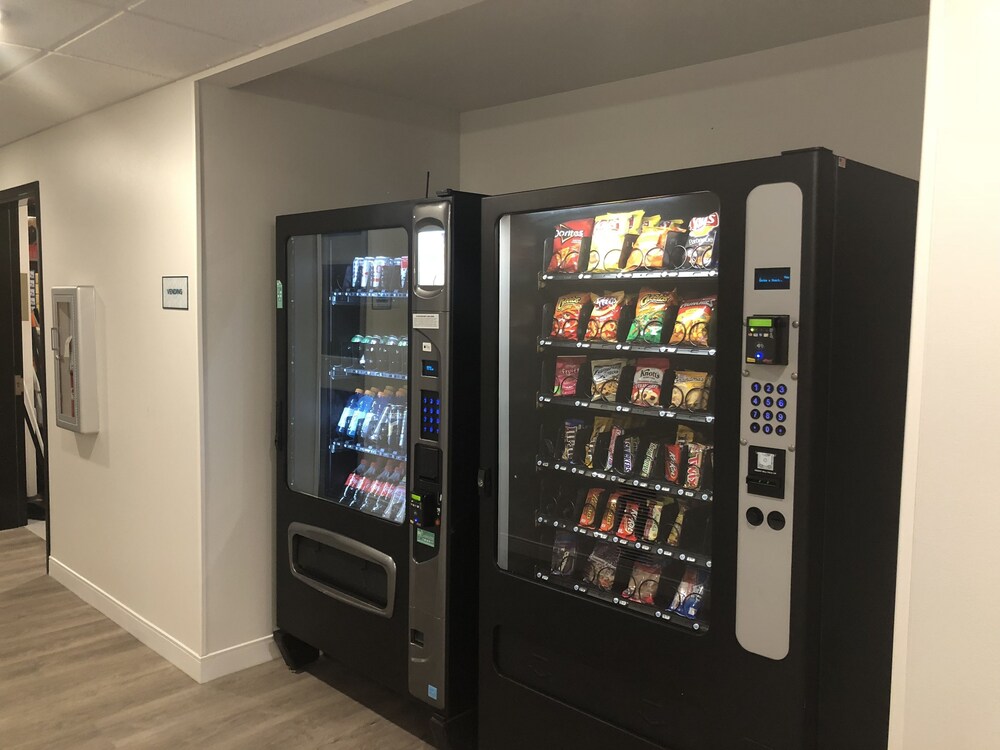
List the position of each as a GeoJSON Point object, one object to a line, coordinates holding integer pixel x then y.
{"type": "Point", "coordinates": [417, 638]}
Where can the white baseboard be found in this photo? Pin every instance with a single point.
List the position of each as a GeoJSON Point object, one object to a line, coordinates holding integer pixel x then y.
{"type": "Point", "coordinates": [200, 668]}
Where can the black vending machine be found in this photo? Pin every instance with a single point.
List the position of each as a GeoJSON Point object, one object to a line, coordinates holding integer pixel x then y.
{"type": "Point", "coordinates": [693, 396]}
{"type": "Point", "coordinates": [377, 436]}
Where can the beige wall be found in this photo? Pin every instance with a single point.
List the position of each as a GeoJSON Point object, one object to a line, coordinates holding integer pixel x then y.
{"type": "Point", "coordinates": [118, 208]}
{"type": "Point", "coordinates": [262, 157]}
{"type": "Point", "coordinates": [946, 682]}
{"type": "Point", "coordinates": [858, 93]}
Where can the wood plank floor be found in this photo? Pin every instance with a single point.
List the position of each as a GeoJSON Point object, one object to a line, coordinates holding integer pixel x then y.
{"type": "Point", "coordinates": [71, 678]}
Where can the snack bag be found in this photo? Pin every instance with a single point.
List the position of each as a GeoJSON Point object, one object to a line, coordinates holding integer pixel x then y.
{"type": "Point", "coordinates": [651, 530]}
{"type": "Point", "coordinates": [603, 323]}
{"type": "Point", "coordinates": [601, 426]}
{"type": "Point", "coordinates": [693, 319]}
{"type": "Point", "coordinates": [626, 528]}
{"type": "Point", "coordinates": [571, 431]}
{"type": "Point", "coordinates": [651, 459]}
{"type": "Point", "coordinates": [673, 462]}
{"type": "Point", "coordinates": [617, 431]}
{"type": "Point", "coordinates": [566, 318]}
{"type": "Point", "coordinates": [643, 583]}
{"type": "Point", "coordinates": [602, 566]}
{"type": "Point", "coordinates": [690, 592]}
{"type": "Point", "coordinates": [564, 553]}
{"type": "Point", "coordinates": [588, 515]}
{"type": "Point", "coordinates": [674, 537]}
{"type": "Point", "coordinates": [700, 250]}
{"type": "Point", "coordinates": [630, 455]}
{"type": "Point", "coordinates": [610, 512]}
{"type": "Point", "coordinates": [647, 385]}
{"type": "Point", "coordinates": [567, 373]}
{"type": "Point", "coordinates": [650, 314]}
{"type": "Point", "coordinates": [685, 434]}
{"type": "Point", "coordinates": [648, 249]}
{"type": "Point", "coordinates": [699, 466]}
{"type": "Point", "coordinates": [570, 239]}
{"type": "Point", "coordinates": [690, 390]}
{"type": "Point", "coordinates": [607, 374]}
{"type": "Point", "coordinates": [613, 235]}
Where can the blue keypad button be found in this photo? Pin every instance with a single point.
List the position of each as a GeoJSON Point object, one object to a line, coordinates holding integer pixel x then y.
{"type": "Point", "coordinates": [768, 388]}
{"type": "Point", "coordinates": [767, 429]}
{"type": "Point", "coordinates": [780, 429]}
{"type": "Point", "coordinates": [781, 416]}
{"type": "Point", "coordinates": [755, 414]}
{"type": "Point", "coordinates": [754, 427]}
{"type": "Point", "coordinates": [755, 400]}
{"type": "Point", "coordinates": [782, 388]}
{"type": "Point", "coordinates": [768, 415]}
{"type": "Point", "coordinates": [769, 402]}
{"type": "Point", "coordinates": [755, 388]}
{"type": "Point", "coordinates": [782, 403]}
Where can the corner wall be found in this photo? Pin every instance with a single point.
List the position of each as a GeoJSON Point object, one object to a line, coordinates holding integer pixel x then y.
{"type": "Point", "coordinates": [261, 157]}
{"type": "Point", "coordinates": [118, 211]}
{"type": "Point", "coordinates": [859, 93]}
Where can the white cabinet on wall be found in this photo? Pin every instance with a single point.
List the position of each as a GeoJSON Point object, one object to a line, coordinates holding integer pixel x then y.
{"type": "Point", "coordinates": [74, 353]}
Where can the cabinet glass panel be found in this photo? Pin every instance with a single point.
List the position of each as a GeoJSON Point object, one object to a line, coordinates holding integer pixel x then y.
{"type": "Point", "coordinates": [607, 357]}
{"type": "Point", "coordinates": [348, 305]}
{"type": "Point", "coordinates": [65, 362]}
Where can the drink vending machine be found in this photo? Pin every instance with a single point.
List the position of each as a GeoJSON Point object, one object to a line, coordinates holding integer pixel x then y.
{"type": "Point", "coordinates": [377, 436]}
{"type": "Point", "coordinates": [693, 395]}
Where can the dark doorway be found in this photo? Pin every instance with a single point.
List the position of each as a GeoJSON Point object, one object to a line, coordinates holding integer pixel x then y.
{"type": "Point", "coordinates": [23, 438]}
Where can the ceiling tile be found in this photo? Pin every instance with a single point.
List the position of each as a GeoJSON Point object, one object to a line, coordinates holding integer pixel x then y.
{"type": "Point", "coordinates": [11, 56]}
{"type": "Point", "coordinates": [64, 87]}
{"type": "Point", "coordinates": [155, 47]}
{"type": "Point", "coordinates": [46, 23]}
{"type": "Point", "coordinates": [116, 4]}
{"type": "Point", "coordinates": [23, 114]}
{"type": "Point", "coordinates": [257, 22]}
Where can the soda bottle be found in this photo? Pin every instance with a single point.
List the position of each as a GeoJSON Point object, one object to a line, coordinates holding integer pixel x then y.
{"type": "Point", "coordinates": [368, 500]}
{"type": "Point", "coordinates": [353, 479]}
{"type": "Point", "coordinates": [379, 499]}
{"type": "Point", "coordinates": [387, 354]}
{"type": "Point", "coordinates": [404, 265]}
{"type": "Point", "coordinates": [357, 267]}
{"type": "Point", "coordinates": [401, 355]}
{"type": "Point", "coordinates": [356, 346]}
{"type": "Point", "coordinates": [374, 415]}
{"type": "Point", "coordinates": [365, 402]}
{"type": "Point", "coordinates": [396, 511]}
{"type": "Point", "coordinates": [369, 360]}
{"type": "Point", "coordinates": [348, 412]}
{"type": "Point", "coordinates": [374, 469]}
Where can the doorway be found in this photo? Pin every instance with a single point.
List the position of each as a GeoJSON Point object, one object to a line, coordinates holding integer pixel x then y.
{"type": "Point", "coordinates": [24, 497]}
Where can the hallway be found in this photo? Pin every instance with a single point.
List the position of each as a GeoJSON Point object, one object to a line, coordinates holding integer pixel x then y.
{"type": "Point", "coordinates": [70, 678]}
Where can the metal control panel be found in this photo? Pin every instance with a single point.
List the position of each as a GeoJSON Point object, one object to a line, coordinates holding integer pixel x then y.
{"type": "Point", "coordinates": [429, 433]}
{"type": "Point", "coordinates": [771, 299]}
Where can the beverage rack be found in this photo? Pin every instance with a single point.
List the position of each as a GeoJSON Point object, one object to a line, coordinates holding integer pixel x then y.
{"type": "Point", "coordinates": [686, 559]}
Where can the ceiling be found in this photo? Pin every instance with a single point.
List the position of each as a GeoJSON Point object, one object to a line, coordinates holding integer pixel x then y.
{"type": "Point", "coordinates": [62, 58]}
{"type": "Point", "coordinates": [500, 51]}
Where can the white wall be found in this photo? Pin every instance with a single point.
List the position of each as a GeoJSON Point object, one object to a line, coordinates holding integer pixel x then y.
{"type": "Point", "coordinates": [946, 681]}
{"type": "Point", "coordinates": [118, 211]}
{"type": "Point", "coordinates": [262, 157]}
{"type": "Point", "coordinates": [858, 93]}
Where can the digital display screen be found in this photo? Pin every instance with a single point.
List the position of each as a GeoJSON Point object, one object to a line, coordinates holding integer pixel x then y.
{"type": "Point", "coordinates": [430, 368]}
{"type": "Point", "coordinates": [430, 257]}
{"type": "Point", "coordinates": [772, 278]}
{"type": "Point", "coordinates": [760, 322]}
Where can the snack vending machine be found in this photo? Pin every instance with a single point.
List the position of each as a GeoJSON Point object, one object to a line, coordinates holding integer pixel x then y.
{"type": "Point", "coordinates": [377, 436]}
{"type": "Point", "coordinates": [693, 397]}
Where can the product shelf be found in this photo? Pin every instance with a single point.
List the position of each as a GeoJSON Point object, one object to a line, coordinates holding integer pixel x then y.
{"type": "Point", "coordinates": [355, 371]}
{"type": "Point", "coordinates": [681, 416]}
{"type": "Point", "coordinates": [607, 346]}
{"type": "Point", "coordinates": [610, 477]}
{"type": "Point", "coordinates": [693, 273]}
{"type": "Point", "coordinates": [662, 614]}
{"type": "Point", "coordinates": [656, 549]}
{"type": "Point", "coordinates": [356, 296]}
{"type": "Point", "coordinates": [353, 445]}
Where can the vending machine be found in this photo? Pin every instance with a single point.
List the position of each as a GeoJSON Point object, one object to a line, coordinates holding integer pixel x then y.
{"type": "Point", "coordinates": [693, 397]}
{"type": "Point", "coordinates": [377, 438]}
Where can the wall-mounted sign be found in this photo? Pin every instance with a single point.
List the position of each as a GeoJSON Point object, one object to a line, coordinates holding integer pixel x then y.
{"type": "Point", "coordinates": [175, 292]}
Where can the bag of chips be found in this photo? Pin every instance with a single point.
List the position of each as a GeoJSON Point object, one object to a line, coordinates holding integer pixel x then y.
{"type": "Point", "coordinates": [691, 592]}
{"type": "Point", "coordinates": [613, 237]}
{"type": "Point", "coordinates": [567, 373]}
{"type": "Point", "coordinates": [570, 241]}
{"type": "Point", "coordinates": [607, 374]}
{"type": "Point", "coordinates": [700, 251]}
{"type": "Point", "coordinates": [699, 466]}
{"type": "Point", "coordinates": [692, 322]}
{"type": "Point", "coordinates": [650, 315]}
{"type": "Point", "coordinates": [643, 583]}
{"type": "Point", "coordinates": [691, 390]}
{"type": "Point", "coordinates": [610, 512]}
{"type": "Point", "coordinates": [602, 565]}
{"type": "Point", "coordinates": [674, 537]}
{"type": "Point", "coordinates": [651, 529]}
{"type": "Point", "coordinates": [601, 426]}
{"type": "Point", "coordinates": [647, 385]}
{"type": "Point", "coordinates": [566, 318]}
{"type": "Point", "coordinates": [564, 553]}
{"type": "Point", "coordinates": [588, 514]}
{"type": "Point", "coordinates": [648, 248]}
{"type": "Point", "coordinates": [603, 323]}
{"type": "Point", "coordinates": [571, 432]}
